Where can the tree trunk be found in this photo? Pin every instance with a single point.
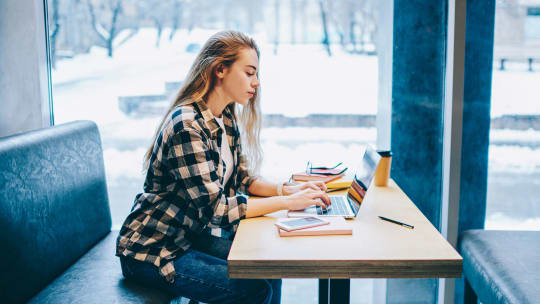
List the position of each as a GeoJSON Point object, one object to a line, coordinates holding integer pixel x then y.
{"type": "Point", "coordinates": [112, 31]}
{"type": "Point", "coordinates": [159, 28]}
{"type": "Point", "coordinates": [293, 21]}
{"type": "Point", "coordinates": [326, 39]}
{"type": "Point", "coordinates": [177, 12]}
{"type": "Point", "coordinates": [276, 38]}
{"type": "Point", "coordinates": [352, 25]}
{"type": "Point", "coordinates": [304, 21]}
{"type": "Point", "coordinates": [54, 33]}
{"type": "Point", "coordinates": [251, 8]}
{"type": "Point", "coordinates": [227, 14]}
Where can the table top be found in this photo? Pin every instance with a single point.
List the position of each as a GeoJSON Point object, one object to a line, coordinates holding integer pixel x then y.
{"type": "Point", "coordinates": [376, 249]}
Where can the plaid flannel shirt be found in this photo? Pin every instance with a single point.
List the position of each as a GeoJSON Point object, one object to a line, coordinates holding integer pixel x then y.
{"type": "Point", "coordinates": [183, 192]}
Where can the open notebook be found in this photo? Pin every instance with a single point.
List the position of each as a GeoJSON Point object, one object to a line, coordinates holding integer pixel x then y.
{"type": "Point", "coordinates": [337, 226]}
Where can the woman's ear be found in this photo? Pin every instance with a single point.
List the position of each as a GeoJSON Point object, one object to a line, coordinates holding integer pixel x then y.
{"type": "Point", "coordinates": [220, 71]}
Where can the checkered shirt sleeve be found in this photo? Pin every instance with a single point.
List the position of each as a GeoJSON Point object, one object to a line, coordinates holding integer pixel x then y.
{"type": "Point", "coordinates": [190, 160]}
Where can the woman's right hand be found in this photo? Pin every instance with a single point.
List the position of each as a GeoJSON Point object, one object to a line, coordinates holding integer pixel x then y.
{"type": "Point", "coordinates": [305, 198]}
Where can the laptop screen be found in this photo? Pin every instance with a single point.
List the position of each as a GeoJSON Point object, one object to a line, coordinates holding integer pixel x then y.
{"type": "Point", "coordinates": [363, 176]}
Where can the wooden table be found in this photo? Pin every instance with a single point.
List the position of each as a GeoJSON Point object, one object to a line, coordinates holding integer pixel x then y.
{"type": "Point", "coordinates": [377, 249]}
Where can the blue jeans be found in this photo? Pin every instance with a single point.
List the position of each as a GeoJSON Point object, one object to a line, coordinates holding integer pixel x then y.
{"type": "Point", "coordinates": [201, 275]}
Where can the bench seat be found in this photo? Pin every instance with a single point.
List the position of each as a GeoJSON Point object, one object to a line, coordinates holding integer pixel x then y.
{"type": "Point", "coordinates": [57, 244]}
{"type": "Point", "coordinates": [97, 278]}
{"type": "Point", "coordinates": [501, 266]}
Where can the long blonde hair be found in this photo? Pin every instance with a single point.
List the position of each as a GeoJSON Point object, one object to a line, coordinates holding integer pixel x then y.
{"type": "Point", "coordinates": [222, 48]}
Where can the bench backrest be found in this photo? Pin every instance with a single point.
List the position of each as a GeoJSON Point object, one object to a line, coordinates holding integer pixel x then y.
{"type": "Point", "coordinates": [53, 204]}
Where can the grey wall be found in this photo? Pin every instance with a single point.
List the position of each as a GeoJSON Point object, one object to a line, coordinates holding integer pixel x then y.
{"type": "Point", "coordinates": [24, 87]}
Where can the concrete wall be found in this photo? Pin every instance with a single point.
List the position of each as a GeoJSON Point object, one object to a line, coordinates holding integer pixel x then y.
{"type": "Point", "coordinates": [24, 91]}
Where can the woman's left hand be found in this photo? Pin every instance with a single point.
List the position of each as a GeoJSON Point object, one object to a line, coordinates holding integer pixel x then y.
{"type": "Point", "coordinates": [288, 190]}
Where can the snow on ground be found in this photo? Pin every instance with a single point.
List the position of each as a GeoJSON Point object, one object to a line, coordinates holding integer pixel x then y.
{"type": "Point", "coordinates": [515, 90]}
{"type": "Point", "coordinates": [499, 221]}
{"type": "Point", "coordinates": [514, 159]}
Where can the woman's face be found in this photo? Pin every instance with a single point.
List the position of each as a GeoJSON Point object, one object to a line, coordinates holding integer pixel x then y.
{"type": "Point", "coordinates": [240, 80]}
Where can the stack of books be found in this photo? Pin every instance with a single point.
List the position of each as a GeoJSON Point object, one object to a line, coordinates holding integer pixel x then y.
{"type": "Point", "coordinates": [324, 175]}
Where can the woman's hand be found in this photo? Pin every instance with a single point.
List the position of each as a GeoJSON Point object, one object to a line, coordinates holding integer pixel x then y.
{"type": "Point", "coordinates": [307, 197]}
{"type": "Point", "coordinates": [288, 190]}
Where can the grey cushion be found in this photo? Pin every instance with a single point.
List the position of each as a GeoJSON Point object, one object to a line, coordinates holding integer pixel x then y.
{"type": "Point", "coordinates": [97, 278]}
{"type": "Point", "coordinates": [53, 204]}
{"type": "Point", "coordinates": [502, 266]}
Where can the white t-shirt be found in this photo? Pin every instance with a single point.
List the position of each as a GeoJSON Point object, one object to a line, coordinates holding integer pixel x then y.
{"type": "Point", "coordinates": [226, 153]}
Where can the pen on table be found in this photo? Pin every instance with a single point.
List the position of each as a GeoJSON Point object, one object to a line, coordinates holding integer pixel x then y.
{"type": "Point", "coordinates": [396, 222]}
{"type": "Point", "coordinates": [336, 189]}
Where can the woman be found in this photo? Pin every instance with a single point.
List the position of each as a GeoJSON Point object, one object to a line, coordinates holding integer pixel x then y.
{"type": "Point", "coordinates": [179, 232]}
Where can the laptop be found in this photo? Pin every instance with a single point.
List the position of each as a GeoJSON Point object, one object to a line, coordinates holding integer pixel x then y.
{"type": "Point", "coordinates": [348, 205]}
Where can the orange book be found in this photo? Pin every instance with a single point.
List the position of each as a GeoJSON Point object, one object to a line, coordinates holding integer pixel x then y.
{"type": "Point", "coordinates": [337, 226]}
{"type": "Point", "coordinates": [343, 182]}
{"type": "Point", "coordinates": [356, 196]}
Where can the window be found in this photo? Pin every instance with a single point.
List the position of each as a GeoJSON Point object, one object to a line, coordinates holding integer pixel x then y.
{"type": "Point", "coordinates": [532, 23]}
{"type": "Point", "coordinates": [120, 62]}
{"type": "Point", "coordinates": [514, 151]}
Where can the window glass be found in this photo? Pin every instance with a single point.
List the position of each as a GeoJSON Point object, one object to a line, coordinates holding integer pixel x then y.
{"type": "Point", "coordinates": [514, 151]}
{"type": "Point", "coordinates": [119, 63]}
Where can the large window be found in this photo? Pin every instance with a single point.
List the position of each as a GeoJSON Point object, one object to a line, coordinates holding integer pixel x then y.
{"type": "Point", "coordinates": [514, 151]}
{"type": "Point", "coordinates": [119, 63]}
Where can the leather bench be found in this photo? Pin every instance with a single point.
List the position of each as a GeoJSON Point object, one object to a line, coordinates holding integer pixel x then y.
{"type": "Point", "coordinates": [501, 266]}
{"type": "Point", "coordinates": [56, 240]}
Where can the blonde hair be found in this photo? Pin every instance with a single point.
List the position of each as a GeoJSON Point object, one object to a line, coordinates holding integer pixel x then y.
{"type": "Point", "coordinates": [220, 49]}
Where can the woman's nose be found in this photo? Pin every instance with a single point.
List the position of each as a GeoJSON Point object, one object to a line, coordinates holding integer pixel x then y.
{"type": "Point", "coordinates": [255, 83]}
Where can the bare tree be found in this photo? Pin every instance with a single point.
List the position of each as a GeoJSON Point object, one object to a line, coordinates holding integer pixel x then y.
{"type": "Point", "coordinates": [196, 12]}
{"type": "Point", "coordinates": [336, 14]}
{"type": "Point", "coordinates": [303, 17]}
{"type": "Point", "coordinates": [326, 37]}
{"type": "Point", "coordinates": [368, 28]}
{"type": "Point", "coordinates": [276, 37]}
{"type": "Point", "coordinates": [176, 13]}
{"type": "Point", "coordinates": [54, 28]}
{"type": "Point", "coordinates": [352, 24]}
{"type": "Point", "coordinates": [293, 21]}
{"type": "Point", "coordinates": [114, 10]}
{"type": "Point", "coordinates": [250, 8]}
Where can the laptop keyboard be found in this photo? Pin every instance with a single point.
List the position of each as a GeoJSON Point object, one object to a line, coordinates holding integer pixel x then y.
{"type": "Point", "coordinates": [338, 207]}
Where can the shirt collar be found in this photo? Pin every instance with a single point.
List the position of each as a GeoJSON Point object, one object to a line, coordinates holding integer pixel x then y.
{"type": "Point", "coordinates": [210, 119]}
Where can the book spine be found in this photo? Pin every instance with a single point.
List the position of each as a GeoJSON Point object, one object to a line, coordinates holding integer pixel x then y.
{"type": "Point", "coordinates": [361, 192]}
{"type": "Point", "coordinates": [323, 178]}
{"type": "Point", "coordinates": [331, 178]}
{"type": "Point", "coordinates": [356, 196]}
{"type": "Point", "coordinates": [339, 184]}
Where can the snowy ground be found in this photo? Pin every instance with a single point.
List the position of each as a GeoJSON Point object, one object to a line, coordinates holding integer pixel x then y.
{"type": "Point", "coordinates": [300, 80]}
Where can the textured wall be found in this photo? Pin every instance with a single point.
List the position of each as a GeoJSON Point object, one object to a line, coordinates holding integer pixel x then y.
{"type": "Point", "coordinates": [23, 72]}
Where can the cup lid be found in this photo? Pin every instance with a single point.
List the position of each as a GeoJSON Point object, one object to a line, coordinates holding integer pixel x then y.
{"type": "Point", "coordinates": [385, 153]}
